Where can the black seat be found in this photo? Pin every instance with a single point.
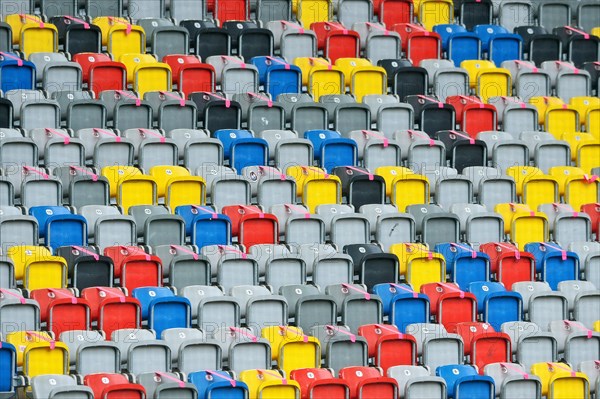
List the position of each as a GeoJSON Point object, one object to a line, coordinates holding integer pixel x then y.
{"type": "Point", "coordinates": [410, 81]}
{"type": "Point", "coordinates": [361, 187]}
{"type": "Point", "coordinates": [462, 152]}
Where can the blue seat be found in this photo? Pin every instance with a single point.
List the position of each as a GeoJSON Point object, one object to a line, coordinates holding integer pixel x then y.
{"type": "Point", "coordinates": [163, 309]}
{"type": "Point", "coordinates": [218, 385]}
{"type": "Point", "coordinates": [209, 230]}
{"type": "Point", "coordinates": [485, 34]}
{"type": "Point", "coordinates": [463, 382]}
{"type": "Point", "coordinates": [189, 212]}
{"type": "Point", "coordinates": [409, 308]}
{"type": "Point", "coordinates": [461, 266]}
{"type": "Point", "coordinates": [8, 370]}
{"type": "Point", "coordinates": [43, 213]}
{"type": "Point", "coordinates": [16, 74]}
{"type": "Point", "coordinates": [464, 46]}
{"type": "Point", "coordinates": [446, 31]}
{"type": "Point", "coordinates": [66, 230]}
{"type": "Point", "coordinates": [496, 304]}
{"type": "Point", "coordinates": [553, 263]}
{"type": "Point", "coordinates": [277, 76]}
{"type": "Point", "coordinates": [387, 291]}
{"type": "Point", "coordinates": [248, 152]}
{"type": "Point", "coordinates": [505, 47]}
{"type": "Point", "coordinates": [229, 136]}
{"type": "Point", "coordinates": [147, 294]}
{"type": "Point", "coordinates": [331, 150]}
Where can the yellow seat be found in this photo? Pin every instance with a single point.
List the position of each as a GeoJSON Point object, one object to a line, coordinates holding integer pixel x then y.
{"type": "Point", "coordinates": [389, 174]}
{"type": "Point", "coordinates": [529, 227]}
{"type": "Point", "coordinates": [562, 173]}
{"type": "Point", "coordinates": [560, 120]}
{"type": "Point", "coordinates": [116, 174]}
{"type": "Point", "coordinates": [20, 340]}
{"type": "Point", "coordinates": [576, 139]}
{"type": "Point", "coordinates": [596, 31]}
{"type": "Point", "coordinates": [309, 11]}
{"type": "Point", "coordinates": [189, 190]}
{"type": "Point", "coordinates": [106, 23]}
{"type": "Point", "coordinates": [22, 254]}
{"type": "Point", "coordinates": [325, 80]}
{"type": "Point", "coordinates": [136, 190]}
{"type": "Point", "coordinates": [368, 80]}
{"type": "Point", "coordinates": [592, 123]}
{"type": "Point", "coordinates": [36, 38]}
{"type": "Point", "coordinates": [133, 60]}
{"type": "Point", "coordinates": [45, 272]}
{"type": "Point", "coordinates": [435, 12]}
{"type": "Point", "coordinates": [347, 65]}
{"type": "Point", "coordinates": [410, 189]}
{"type": "Point", "coordinates": [126, 39]}
{"type": "Point", "coordinates": [542, 103]}
{"type": "Point", "coordinates": [17, 21]}
{"type": "Point", "coordinates": [306, 64]}
{"type": "Point", "coordinates": [473, 67]}
{"type": "Point", "coordinates": [419, 265]}
{"type": "Point", "coordinates": [508, 211]}
{"type": "Point", "coordinates": [494, 82]}
{"type": "Point", "coordinates": [533, 186]}
{"type": "Point", "coordinates": [597, 326]}
{"type": "Point", "coordinates": [291, 349]}
{"type": "Point", "coordinates": [559, 381]}
{"type": "Point", "coordinates": [582, 105]}
{"type": "Point", "coordinates": [320, 191]}
{"type": "Point", "coordinates": [269, 384]}
{"type": "Point", "coordinates": [582, 189]}
{"type": "Point", "coordinates": [163, 173]}
{"type": "Point", "coordinates": [146, 74]}
{"type": "Point", "coordinates": [588, 155]}
{"type": "Point", "coordinates": [521, 173]}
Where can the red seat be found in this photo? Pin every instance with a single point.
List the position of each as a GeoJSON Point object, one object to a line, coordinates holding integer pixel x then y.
{"type": "Point", "coordinates": [320, 384]}
{"type": "Point", "coordinates": [418, 44]}
{"type": "Point", "coordinates": [482, 344]}
{"type": "Point", "coordinates": [394, 12]}
{"type": "Point", "coordinates": [190, 74]}
{"type": "Point", "coordinates": [389, 346]}
{"type": "Point", "coordinates": [112, 310]}
{"type": "Point", "coordinates": [62, 310]}
{"type": "Point", "coordinates": [336, 41]}
{"type": "Point", "coordinates": [231, 10]}
{"type": "Point", "coordinates": [508, 265]}
{"type": "Point", "coordinates": [368, 383]}
{"type": "Point", "coordinates": [101, 73]}
{"type": "Point", "coordinates": [449, 304]}
{"type": "Point", "coordinates": [251, 225]}
{"type": "Point", "coordinates": [236, 213]}
{"type": "Point", "coordinates": [593, 210]}
{"type": "Point", "coordinates": [460, 102]}
{"type": "Point", "coordinates": [113, 386]}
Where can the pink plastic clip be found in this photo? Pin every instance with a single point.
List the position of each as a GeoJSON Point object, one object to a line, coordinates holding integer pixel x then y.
{"type": "Point", "coordinates": [282, 176]}
{"type": "Point", "coordinates": [433, 100]}
{"type": "Point", "coordinates": [473, 252]}
{"type": "Point", "coordinates": [376, 26]}
{"type": "Point", "coordinates": [585, 35]}
{"type": "Point", "coordinates": [185, 250]}
{"type": "Point", "coordinates": [263, 98]}
{"type": "Point", "coordinates": [214, 215]}
{"type": "Point", "coordinates": [464, 136]}
{"type": "Point", "coordinates": [148, 132]}
{"type": "Point", "coordinates": [399, 287]}
{"type": "Point", "coordinates": [81, 21]}
{"type": "Point", "coordinates": [39, 336]}
{"type": "Point", "coordinates": [85, 171]}
{"type": "Point", "coordinates": [25, 17]}
{"type": "Point", "coordinates": [273, 59]}
{"type": "Point", "coordinates": [243, 332]}
{"type": "Point", "coordinates": [286, 329]}
{"type": "Point", "coordinates": [590, 179]}
{"type": "Point", "coordinates": [12, 57]}
{"type": "Point", "coordinates": [293, 25]}
{"type": "Point", "coordinates": [273, 374]}
{"type": "Point", "coordinates": [527, 65]}
{"type": "Point", "coordinates": [66, 138]}
{"type": "Point", "coordinates": [85, 251]}
{"type": "Point", "coordinates": [252, 210]}
{"type": "Point", "coordinates": [63, 295]}
{"type": "Point", "coordinates": [37, 172]}
{"type": "Point", "coordinates": [108, 133]}
{"type": "Point", "coordinates": [118, 21]}
{"type": "Point", "coordinates": [19, 297]}
{"type": "Point", "coordinates": [508, 366]}
{"type": "Point", "coordinates": [371, 176]}
{"type": "Point", "coordinates": [125, 94]}
{"type": "Point", "coordinates": [563, 253]}
{"type": "Point", "coordinates": [174, 97]}
{"type": "Point", "coordinates": [589, 332]}
{"type": "Point", "coordinates": [230, 380]}
{"type": "Point", "coordinates": [169, 377]}
{"type": "Point", "coordinates": [299, 209]}
{"type": "Point", "coordinates": [119, 295]}
{"type": "Point", "coordinates": [341, 331]}
{"type": "Point", "coordinates": [223, 248]}
{"type": "Point", "coordinates": [386, 141]}
{"type": "Point", "coordinates": [353, 288]}
{"type": "Point", "coordinates": [552, 365]}
{"type": "Point", "coordinates": [388, 329]}
{"type": "Point", "coordinates": [423, 136]}
{"type": "Point", "coordinates": [452, 288]}
{"type": "Point", "coordinates": [242, 64]}
{"type": "Point", "coordinates": [567, 65]}
{"type": "Point", "coordinates": [227, 102]}
{"type": "Point", "coordinates": [517, 253]}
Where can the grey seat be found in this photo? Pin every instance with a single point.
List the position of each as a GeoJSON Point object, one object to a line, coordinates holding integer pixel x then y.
{"type": "Point", "coordinates": [545, 150]}
{"type": "Point", "coordinates": [309, 116]}
{"type": "Point", "coordinates": [575, 341]}
{"type": "Point", "coordinates": [293, 152]}
{"type": "Point", "coordinates": [588, 253]}
{"type": "Point", "coordinates": [415, 382]}
{"type": "Point", "coordinates": [18, 311]}
{"type": "Point", "coordinates": [434, 225]}
{"type": "Point", "coordinates": [166, 386]}
{"type": "Point", "coordinates": [393, 117]}
{"type": "Point", "coordinates": [511, 382]}
{"type": "Point", "coordinates": [351, 11]}
{"type": "Point", "coordinates": [295, 43]}
{"type": "Point", "coordinates": [211, 308]}
{"type": "Point", "coordinates": [335, 269]}
{"type": "Point", "coordinates": [164, 37]}
{"type": "Point", "coordinates": [354, 306]}
{"type": "Point", "coordinates": [191, 350]}
{"type": "Point", "coordinates": [514, 13]}
{"type": "Point", "coordinates": [230, 190]}
{"type": "Point", "coordinates": [182, 10]}
{"type": "Point", "coordinates": [435, 346]}
{"type": "Point", "coordinates": [340, 347]}
{"type": "Point", "coordinates": [314, 310]}
{"type": "Point", "coordinates": [242, 350]}
{"type": "Point", "coordinates": [171, 111]}
{"type": "Point", "coordinates": [529, 343]}
{"type": "Point", "coordinates": [260, 308]}
{"type": "Point", "coordinates": [541, 304]}
{"type": "Point", "coordinates": [57, 386]}
{"type": "Point", "coordinates": [90, 353]}
{"type": "Point", "coordinates": [478, 225]}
